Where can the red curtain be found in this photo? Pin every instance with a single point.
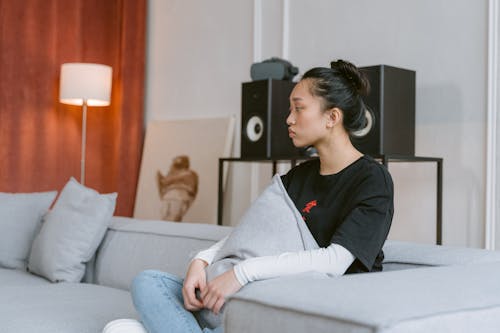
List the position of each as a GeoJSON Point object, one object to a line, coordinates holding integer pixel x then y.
{"type": "Point", "coordinates": [40, 139]}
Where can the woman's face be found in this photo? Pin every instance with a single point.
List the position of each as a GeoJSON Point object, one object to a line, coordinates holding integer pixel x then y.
{"type": "Point", "coordinates": [307, 123]}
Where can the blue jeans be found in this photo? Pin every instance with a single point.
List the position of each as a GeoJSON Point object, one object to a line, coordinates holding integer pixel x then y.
{"type": "Point", "coordinates": [158, 299]}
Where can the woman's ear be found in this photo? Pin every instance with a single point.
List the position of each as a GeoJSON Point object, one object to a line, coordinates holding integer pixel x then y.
{"type": "Point", "coordinates": [334, 117]}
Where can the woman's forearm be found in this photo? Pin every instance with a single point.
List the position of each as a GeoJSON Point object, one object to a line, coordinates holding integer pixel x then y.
{"type": "Point", "coordinates": [208, 255]}
{"type": "Point", "coordinates": [333, 260]}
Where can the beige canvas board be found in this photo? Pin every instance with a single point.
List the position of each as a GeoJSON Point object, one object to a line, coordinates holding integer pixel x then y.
{"type": "Point", "coordinates": [178, 179]}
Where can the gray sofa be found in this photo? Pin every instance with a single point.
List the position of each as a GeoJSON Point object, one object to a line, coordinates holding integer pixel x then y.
{"type": "Point", "coordinates": [424, 288]}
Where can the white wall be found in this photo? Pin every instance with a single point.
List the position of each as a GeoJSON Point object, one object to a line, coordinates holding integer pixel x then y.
{"type": "Point", "coordinates": [200, 52]}
{"type": "Point", "coordinates": [493, 204]}
{"type": "Point", "coordinates": [496, 222]}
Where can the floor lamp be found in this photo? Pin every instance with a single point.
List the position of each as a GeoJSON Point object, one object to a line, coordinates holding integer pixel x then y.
{"type": "Point", "coordinates": [86, 85]}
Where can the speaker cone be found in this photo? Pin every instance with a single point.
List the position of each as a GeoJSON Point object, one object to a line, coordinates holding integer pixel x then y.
{"type": "Point", "coordinates": [370, 123]}
{"type": "Point", "coordinates": [255, 128]}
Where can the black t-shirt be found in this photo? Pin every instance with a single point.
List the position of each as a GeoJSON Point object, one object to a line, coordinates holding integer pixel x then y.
{"type": "Point", "coordinates": [352, 208]}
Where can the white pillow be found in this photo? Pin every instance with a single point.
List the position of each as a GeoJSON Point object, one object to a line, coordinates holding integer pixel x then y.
{"type": "Point", "coordinates": [20, 217]}
{"type": "Point", "coordinates": [71, 233]}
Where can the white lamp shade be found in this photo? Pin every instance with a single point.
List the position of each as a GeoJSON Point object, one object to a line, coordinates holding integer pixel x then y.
{"type": "Point", "coordinates": [85, 81]}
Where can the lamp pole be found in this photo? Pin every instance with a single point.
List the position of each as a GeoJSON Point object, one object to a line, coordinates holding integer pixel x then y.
{"type": "Point", "coordinates": [84, 138]}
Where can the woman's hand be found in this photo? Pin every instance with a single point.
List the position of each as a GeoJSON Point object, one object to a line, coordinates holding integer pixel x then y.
{"type": "Point", "coordinates": [215, 293]}
{"type": "Point", "coordinates": [195, 278]}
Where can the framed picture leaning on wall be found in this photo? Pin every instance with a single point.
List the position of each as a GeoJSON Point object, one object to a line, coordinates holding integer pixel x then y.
{"type": "Point", "coordinates": [178, 176]}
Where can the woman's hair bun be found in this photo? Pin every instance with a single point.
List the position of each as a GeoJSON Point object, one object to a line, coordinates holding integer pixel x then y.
{"type": "Point", "coordinates": [353, 75]}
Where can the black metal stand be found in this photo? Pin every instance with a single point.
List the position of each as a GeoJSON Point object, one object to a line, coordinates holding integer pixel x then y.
{"type": "Point", "coordinates": [385, 159]}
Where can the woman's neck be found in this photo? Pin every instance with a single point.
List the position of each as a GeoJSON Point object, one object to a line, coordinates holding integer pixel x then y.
{"type": "Point", "coordinates": [336, 155]}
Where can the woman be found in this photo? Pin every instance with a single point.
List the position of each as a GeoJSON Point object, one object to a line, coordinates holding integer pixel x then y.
{"type": "Point", "coordinates": [346, 200]}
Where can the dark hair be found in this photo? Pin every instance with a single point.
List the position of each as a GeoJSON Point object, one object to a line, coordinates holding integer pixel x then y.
{"type": "Point", "coordinates": [341, 86]}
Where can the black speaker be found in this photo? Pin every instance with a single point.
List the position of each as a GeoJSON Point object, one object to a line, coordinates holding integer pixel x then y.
{"type": "Point", "coordinates": [264, 109]}
{"type": "Point", "coordinates": [391, 118]}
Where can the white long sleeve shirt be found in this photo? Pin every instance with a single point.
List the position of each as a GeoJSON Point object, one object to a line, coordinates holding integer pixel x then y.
{"type": "Point", "coordinates": [333, 260]}
{"type": "Point", "coordinates": [208, 255]}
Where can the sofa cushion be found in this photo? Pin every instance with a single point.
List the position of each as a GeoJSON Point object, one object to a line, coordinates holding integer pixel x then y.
{"type": "Point", "coordinates": [62, 307]}
{"type": "Point", "coordinates": [71, 233]}
{"type": "Point", "coordinates": [16, 277]}
{"type": "Point", "coordinates": [20, 217]}
{"type": "Point", "coordinates": [396, 302]}
{"type": "Point", "coordinates": [271, 226]}
{"type": "Point", "coordinates": [134, 245]}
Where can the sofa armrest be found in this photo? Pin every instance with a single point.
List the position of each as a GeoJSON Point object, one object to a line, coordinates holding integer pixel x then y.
{"type": "Point", "coordinates": [400, 255]}
{"type": "Point", "coordinates": [396, 302]}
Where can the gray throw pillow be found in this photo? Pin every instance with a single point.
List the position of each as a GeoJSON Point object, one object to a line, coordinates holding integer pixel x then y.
{"type": "Point", "coordinates": [20, 217]}
{"type": "Point", "coordinates": [271, 226]}
{"type": "Point", "coordinates": [71, 233]}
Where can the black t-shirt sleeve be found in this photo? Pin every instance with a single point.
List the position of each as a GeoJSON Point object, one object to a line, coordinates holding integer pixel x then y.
{"type": "Point", "coordinates": [365, 228]}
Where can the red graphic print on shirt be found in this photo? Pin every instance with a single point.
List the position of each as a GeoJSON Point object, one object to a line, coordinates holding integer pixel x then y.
{"type": "Point", "coordinates": [308, 207]}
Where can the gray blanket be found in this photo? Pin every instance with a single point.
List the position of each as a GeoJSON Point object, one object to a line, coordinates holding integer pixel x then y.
{"type": "Point", "coordinates": [271, 226]}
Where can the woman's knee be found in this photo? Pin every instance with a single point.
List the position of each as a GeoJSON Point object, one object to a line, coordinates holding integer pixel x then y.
{"type": "Point", "coordinates": [152, 282]}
